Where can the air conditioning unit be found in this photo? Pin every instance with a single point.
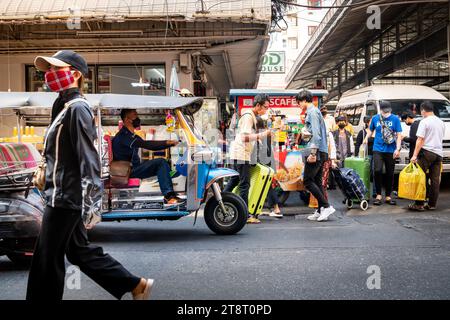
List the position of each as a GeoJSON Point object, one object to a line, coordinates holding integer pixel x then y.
{"type": "Point", "coordinates": [185, 61]}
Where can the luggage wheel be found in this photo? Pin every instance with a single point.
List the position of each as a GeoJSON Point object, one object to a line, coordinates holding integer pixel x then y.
{"type": "Point", "coordinates": [364, 205]}
{"type": "Point", "coordinates": [349, 203]}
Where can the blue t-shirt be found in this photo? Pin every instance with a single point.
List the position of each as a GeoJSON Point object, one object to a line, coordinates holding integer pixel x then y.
{"type": "Point", "coordinates": [392, 122]}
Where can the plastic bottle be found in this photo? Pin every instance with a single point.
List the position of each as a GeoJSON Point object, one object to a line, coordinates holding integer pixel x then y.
{"type": "Point", "coordinates": [170, 122]}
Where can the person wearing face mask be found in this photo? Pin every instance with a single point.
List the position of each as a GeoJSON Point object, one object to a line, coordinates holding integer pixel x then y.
{"type": "Point", "coordinates": [359, 142]}
{"type": "Point", "coordinates": [386, 149]}
{"type": "Point", "coordinates": [318, 155]}
{"type": "Point", "coordinates": [243, 146]}
{"type": "Point", "coordinates": [73, 192]}
{"type": "Point", "coordinates": [343, 141]}
{"type": "Point", "coordinates": [126, 146]}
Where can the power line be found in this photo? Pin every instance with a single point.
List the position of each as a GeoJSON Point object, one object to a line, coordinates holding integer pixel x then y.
{"type": "Point", "coordinates": [358, 4]}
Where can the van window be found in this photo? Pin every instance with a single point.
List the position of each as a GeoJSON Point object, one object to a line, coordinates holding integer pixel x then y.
{"type": "Point", "coordinates": [357, 115]}
{"type": "Point", "coordinates": [371, 108]}
{"type": "Point", "coordinates": [441, 107]}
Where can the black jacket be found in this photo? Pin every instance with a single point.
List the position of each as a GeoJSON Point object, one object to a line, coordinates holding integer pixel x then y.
{"type": "Point", "coordinates": [360, 139]}
{"type": "Point", "coordinates": [73, 163]}
{"type": "Point", "coordinates": [412, 139]}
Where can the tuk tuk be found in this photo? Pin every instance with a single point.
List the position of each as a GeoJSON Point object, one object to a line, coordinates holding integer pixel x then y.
{"type": "Point", "coordinates": [195, 175]}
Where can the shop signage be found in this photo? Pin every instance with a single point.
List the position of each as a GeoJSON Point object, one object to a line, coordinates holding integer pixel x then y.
{"type": "Point", "coordinates": [274, 62]}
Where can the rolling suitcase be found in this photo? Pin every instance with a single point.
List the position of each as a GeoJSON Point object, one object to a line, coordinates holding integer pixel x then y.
{"type": "Point", "coordinates": [362, 168]}
{"type": "Point", "coordinates": [260, 181]}
{"type": "Point", "coordinates": [351, 186]}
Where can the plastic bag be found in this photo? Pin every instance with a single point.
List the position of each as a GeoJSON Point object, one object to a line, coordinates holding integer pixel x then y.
{"type": "Point", "coordinates": [412, 183]}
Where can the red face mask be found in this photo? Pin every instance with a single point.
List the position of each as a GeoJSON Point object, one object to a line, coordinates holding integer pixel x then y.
{"type": "Point", "coordinates": [59, 80]}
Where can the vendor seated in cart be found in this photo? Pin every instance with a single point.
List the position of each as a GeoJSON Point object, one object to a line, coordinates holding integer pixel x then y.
{"type": "Point", "coordinates": [126, 145]}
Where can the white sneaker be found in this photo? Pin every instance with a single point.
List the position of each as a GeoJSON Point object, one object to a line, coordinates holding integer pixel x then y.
{"type": "Point", "coordinates": [325, 213]}
{"type": "Point", "coordinates": [314, 216]}
{"type": "Point", "coordinates": [276, 215]}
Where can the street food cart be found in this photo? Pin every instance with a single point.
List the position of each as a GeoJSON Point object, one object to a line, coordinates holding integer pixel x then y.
{"type": "Point", "coordinates": [286, 119]}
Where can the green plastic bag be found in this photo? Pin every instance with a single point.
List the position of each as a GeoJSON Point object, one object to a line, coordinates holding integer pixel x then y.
{"type": "Point", "coordinates": [412, 183]}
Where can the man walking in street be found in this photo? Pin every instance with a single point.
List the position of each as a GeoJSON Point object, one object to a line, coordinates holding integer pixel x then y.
{"type": "Point", "coordinates": [386, 149]}
{"type": "Point", "coordinates": [428, 153]}
{"type": "Point", "coordinates": [241, 152]}
{"type": "Point", "coordinates": [318, 154]}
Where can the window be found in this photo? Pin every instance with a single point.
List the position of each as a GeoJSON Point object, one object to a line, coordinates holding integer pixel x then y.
{"type": "Point", "coordinates": [311, 30]}
{"type": "Point", "coordinates": [371, 108]}
{"type": "Point", "coordinates": [293, 43]}
{"type": "Point", "coordinates": [284, 43]}
{"type": "Point", "coordinates": [292, 19]}
{"type": "Point", "coordinates": [314, 3]}
{"type": "Point", "coordinates": [357, 116]}
{"type": "Point", "coordinates": [111, 79]}
{"type": "Point", "coordinates": [35, 80]}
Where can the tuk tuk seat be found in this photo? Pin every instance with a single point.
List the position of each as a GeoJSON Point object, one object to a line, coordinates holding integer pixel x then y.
{"type": "Point", "coordinates": [132, 182]}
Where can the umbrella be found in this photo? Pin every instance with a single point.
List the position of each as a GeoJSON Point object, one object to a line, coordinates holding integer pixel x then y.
{"type": "Point", "coordinates": [174, 83]}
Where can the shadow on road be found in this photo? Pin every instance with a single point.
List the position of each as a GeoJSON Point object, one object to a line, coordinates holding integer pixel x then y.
{"type": "Point", "coordinates": [149, 233]}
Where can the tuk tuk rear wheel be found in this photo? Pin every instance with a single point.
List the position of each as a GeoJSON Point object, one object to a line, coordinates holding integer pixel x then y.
{"type": "Point", "coordinates": [232, 221]}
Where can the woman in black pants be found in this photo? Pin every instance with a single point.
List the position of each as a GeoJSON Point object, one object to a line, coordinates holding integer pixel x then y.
{"type": "Point", "coordinates": [266, 157]}
{"type": "Point", "coordinates": [73, 192]}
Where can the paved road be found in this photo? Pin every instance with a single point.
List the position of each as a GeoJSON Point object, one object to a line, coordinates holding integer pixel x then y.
{"type": "Point", "coordinates": [290, 258]}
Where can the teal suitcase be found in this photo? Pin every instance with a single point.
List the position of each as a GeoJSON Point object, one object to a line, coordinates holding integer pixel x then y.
{"type": "Point", "coordinates": [260, 182]}
{"type": "Point", "coordinates": [362, 168]}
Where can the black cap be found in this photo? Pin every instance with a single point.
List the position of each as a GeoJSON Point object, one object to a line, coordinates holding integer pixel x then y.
{"type": "Point", "coordinates": [63, 58]}
{"type": "Point", "coordinates": [341, 118]}
{"type": "Point", "coordinates": [385, 105]}
{"type": "Point", "coordinates": [410, 114]}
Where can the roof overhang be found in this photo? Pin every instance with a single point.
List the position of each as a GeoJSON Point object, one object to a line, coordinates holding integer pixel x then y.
{"type": "Point", "coordinates": [342, 33]}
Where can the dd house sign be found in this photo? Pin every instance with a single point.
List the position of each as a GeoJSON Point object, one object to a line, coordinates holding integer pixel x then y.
{"type": "Point", "coordinates": [273, 62]}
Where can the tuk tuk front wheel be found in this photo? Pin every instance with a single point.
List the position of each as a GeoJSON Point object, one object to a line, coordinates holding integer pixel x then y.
{"type": "Point", "coordinates": [229, 222]}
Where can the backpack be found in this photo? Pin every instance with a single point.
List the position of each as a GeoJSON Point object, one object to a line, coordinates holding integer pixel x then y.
{"type": "Point", "coordinates": [387, 133]}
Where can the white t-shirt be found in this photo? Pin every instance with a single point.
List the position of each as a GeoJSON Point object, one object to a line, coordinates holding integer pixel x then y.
{"type": "Point", "coordinates": [242, 150]}
{"type": "Point", "coordinates": [432, 129]}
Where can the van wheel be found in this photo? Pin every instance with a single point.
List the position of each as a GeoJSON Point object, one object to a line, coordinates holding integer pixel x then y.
{"type": "Point", "coordinates": [229, 222]}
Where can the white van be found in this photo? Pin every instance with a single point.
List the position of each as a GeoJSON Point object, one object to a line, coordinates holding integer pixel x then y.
{"type": "Point", "coordinates": [356, 104]}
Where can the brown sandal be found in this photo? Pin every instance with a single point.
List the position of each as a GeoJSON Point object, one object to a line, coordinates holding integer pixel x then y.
{"type": "Point", "coordinates": [415, 207]}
